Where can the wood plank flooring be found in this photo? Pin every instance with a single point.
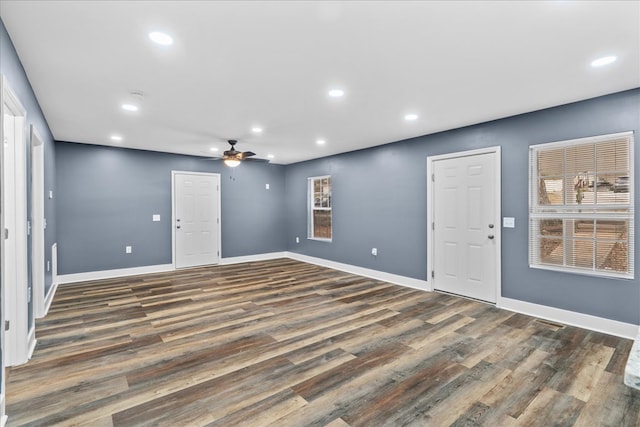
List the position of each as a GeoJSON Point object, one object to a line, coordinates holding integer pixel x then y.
{"type": "Point", "coordinates": [285, 343]}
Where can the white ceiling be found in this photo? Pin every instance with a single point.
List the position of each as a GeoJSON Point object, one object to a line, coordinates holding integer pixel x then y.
{"type": "Point", "coordinates": [235, 65]}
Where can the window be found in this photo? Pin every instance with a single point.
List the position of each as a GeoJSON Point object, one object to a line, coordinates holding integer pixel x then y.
{"type": "Point", "coordinates": [581, 205]}
{"type": "Point", "coordinates": [319, 194]}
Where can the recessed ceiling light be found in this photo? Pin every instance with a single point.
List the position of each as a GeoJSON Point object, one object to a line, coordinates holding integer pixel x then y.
{"type": "Point", "coordinates": [116, 138]}
{"type": "Point", "coordinates": [161, 38]}
{"type": "Point", "coordinates": [410, 117]}
{"type": "Point", "coordinates": [605, 60]}
{"type": "Point", "coordinates": [270, 156]}
{"type": "Point", "coordinates": [256, 129]}
{"type": "Point", "coordinates": [213, 148]}
{"type": "Point", "coordinates": [321, 142]}
{"type": "Point", "coordinates": [336, 93]}
{"type": "Point", "coordinates": [129, 107]}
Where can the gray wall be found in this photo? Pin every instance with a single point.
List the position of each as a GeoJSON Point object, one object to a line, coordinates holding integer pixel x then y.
{"type": "Point", "coordinates": [380, 200]}
{"type": "Point", "coordinates": [11, 68]}
{"type": "Point", "coordinates": [107, 197]}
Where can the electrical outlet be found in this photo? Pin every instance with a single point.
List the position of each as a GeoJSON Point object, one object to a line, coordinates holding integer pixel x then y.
{"type": "Point", "coordinates": [127, 249]}
{"type": "Point", "coordinates": [266, 186]}
{"type": "Point", "coordinates": [374, 251]}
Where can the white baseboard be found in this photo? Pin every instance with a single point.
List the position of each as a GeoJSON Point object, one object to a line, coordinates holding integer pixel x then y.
{"type": "Point", "coordinates": [110, 274]}
{"type": "Point", "coordinates": [123, 272]}
{"type": "Point", "coordinates": [48, 299]}
{"type": "Point", "coordinates": [586, 321]}
{"type": "Point", "coordinates": [252, 258]}
{"type": "Point", "coordinates": [31, 339]}
{"type": "Point", "coordinates": [396, 279]}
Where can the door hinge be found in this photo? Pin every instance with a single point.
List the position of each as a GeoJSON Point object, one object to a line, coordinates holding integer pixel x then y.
{"type": "Point", "coordinates": [433, 274]}
{"type": "Point", "coordinates": [433, 177]}
{"type": "Point", "coordinates": [6, 325]}
{"type": "Point", "coordinates": [6, 233]}
{"type": "Point", "coordinates": [218, 220]}
{"type": "Point", "coordinates": [28, 228]}
{"type": "Point", "coordinates": [433, 225]}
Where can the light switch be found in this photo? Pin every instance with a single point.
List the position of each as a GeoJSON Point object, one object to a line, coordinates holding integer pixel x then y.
{"type": "Point", "coordinates": [508, 222]}
{"type": "Point", "coordinates": [156, 217]}
{"type": "Point", "coordinates": [51, 194]}
{"type": "Point", "coordinates": [127, 249]}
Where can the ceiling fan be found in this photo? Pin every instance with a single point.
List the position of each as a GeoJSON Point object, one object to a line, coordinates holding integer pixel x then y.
{"type": "Point", "coordinates": [232, 157]}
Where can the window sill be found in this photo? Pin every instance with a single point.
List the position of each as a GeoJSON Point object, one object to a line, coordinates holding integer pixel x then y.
{"type": "Point", "coordinates": [584, 272]}
{"type": "Point", "coordinates": [319, 239]}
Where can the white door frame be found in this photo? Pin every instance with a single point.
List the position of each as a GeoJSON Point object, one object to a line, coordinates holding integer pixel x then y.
{"type": "Point", "coordinates": [173, 213]}
{"type": "Point", "coordinates": [431, 206]}
{"type": "Point", "coordinates": [37, 223]}
{"type": "Point", "coordinates": [19, 339]}
{"type": "Point", "coordinates": [3, 416]}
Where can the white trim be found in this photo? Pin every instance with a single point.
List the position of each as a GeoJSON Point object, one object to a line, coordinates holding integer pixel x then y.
{"type": "Point", "coordinates": [37, 222]}
{"type": "Point", "coordinates": [3, 417]}
{"type": "Point", "coordinates": [497, 150]}
{"type": "Point", "coordinates": [49, 297]}
{"type": "Point", "coordinates": [110, 274]}
{"type": "Point", "coordinates": [396, 279]}
{"type": "Point", "coordinates": [173, 212]}
{"type": "Point", "coordinates": [311, 207]}
{"type": "Point", "coordinates": [570, 211]}
{"type": "Point", "coordinates": [253, 258]}
{"type": "Point", "coordinates": [581, 320]}
{"type": "Point", "coordinates": [32, 342]}
{"type": "Point", "coordinates": [585, 140]}
{"type": "Point", "coordinates": [15, 297]}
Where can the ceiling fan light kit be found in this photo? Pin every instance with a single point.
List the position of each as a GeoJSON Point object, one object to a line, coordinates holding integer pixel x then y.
{"type": "Point", "coordinates": [232, 163]}
{"type": "Point", "coordinates": [232, 157]}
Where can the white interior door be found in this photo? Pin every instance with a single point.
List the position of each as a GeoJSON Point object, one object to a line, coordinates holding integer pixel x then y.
{"type": "Point", "coordinates": [37, 222]}
{"type": "Point", "coordinates": [466, 228]}
{"type": "Point", "coordinates": [196, 219]}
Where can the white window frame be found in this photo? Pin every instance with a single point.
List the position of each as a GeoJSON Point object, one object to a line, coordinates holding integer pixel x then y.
{"type": "Point", "coordinates": [311, 207]}
{"type": "Point", "coordinates": [573, 212]}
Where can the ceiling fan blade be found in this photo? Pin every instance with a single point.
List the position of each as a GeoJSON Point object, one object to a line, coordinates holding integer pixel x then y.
{"type": "Point", "coordinates": [247, 154]}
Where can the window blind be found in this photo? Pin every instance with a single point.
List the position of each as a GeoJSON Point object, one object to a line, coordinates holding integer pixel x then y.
{"type": "Point", "coordinates": [581, 205]}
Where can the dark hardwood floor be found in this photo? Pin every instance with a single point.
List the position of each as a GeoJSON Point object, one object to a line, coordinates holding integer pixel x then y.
{"type": "Point", "coordinates": [285, 343]}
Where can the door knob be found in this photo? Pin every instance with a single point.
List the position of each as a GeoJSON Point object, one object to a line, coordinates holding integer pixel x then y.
{"type": "Point", "coordinates": [178, 226]}
{"type": "Point", "coordinates": [490, 225]}
{"type": "Point", "coordinates": [490, 236]}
